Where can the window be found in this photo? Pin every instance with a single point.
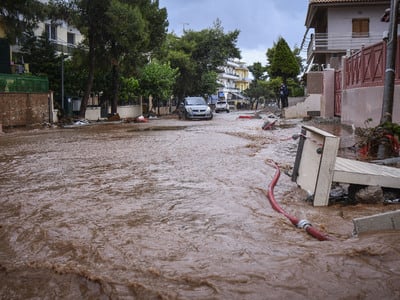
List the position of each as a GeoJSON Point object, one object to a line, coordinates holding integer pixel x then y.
{"type": "Point", "coordinates": [360, 28]}
{"type": "Point", "coordinates": [71, 38]}
{"type": "Point", "coordinates": [51, 32]}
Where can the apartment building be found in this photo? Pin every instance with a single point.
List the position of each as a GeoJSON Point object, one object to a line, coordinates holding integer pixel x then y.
{"type": "Point", "coordinates": [233, 80]}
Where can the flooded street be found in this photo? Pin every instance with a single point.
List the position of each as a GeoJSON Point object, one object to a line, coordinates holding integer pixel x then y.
{"type": "Point", "coordinates": [175, 210]}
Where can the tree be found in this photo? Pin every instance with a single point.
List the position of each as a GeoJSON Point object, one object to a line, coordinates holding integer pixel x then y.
{"type": "Point", "coordinates": [282, 61]}
{"type": "Point", "coordinates": [157, 80]}
{"type": "Point", "coordinates": [41, 55]}
{"type": "Point", "coordinates": [259, 87]}
{"type": "Point", "coordinates": [122, 33]}
{"type": "Point", "coordinates": [126, 33]}
{"type": "Point", "coordinates": [258, 71]}
{"type": "Point", "coordinates": [129, 89]}
{"type": "Point", "coordinates": [88, 17]}
{"type": "Point", "coordinates": [20, 16]}
{"type": "Point", "coordinates": [198, 54]}
{"type": "Point", "coordinates": [177, 52]}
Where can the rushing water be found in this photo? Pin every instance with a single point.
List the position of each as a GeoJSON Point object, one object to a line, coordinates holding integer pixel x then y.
{"type": "Point", "coordinates": [175, 210]}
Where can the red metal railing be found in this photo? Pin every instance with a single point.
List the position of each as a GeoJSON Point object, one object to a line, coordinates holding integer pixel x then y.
{"type": "Point", "coordinates": [366, 67]}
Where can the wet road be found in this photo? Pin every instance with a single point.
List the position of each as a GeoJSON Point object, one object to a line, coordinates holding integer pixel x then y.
{"type": "Point", "coordinates": [175, 210]}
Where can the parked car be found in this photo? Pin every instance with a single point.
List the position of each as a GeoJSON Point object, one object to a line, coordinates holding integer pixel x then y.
{"type": "Point", "coordinates": [195, 108]}
{"type": "Point", "coordinates": [222, 105]}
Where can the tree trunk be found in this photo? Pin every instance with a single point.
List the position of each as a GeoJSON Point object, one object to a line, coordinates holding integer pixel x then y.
{"type": "Point", "coordinates": [115, 88]}
{"type": "Point", "coordinates": [89, 81]}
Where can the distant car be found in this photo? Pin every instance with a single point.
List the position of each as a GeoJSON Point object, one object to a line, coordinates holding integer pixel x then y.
{"type": "Point", "coordinates": [195, 108]}
{"type": "Point", "coordinates": [222, 105]}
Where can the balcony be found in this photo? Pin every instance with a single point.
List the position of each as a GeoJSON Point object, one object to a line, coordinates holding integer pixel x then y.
{"type": "Point", "coordinates": [339, 43]}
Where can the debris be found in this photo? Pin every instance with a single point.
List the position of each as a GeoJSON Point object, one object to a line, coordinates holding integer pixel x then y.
{"type": "Point", "coordinates": [81, 122]}
{"type": "Point", "coordinates": [369, 194]}
{"type": "Point", "coordinates": [269, 125]}
{"type": "Point", "coordinates": [394, 201]}
{"type": "Point", "coordinates": [387, 161]}
{"type": "Point", "coordinates": [141, 119]}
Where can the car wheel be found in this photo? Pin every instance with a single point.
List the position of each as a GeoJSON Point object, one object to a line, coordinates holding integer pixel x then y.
{"type": "Point", "coordinates": [227, 111]}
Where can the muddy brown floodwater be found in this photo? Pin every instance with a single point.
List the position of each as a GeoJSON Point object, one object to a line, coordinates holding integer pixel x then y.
{"type": "Point", "coordinates": [175, 210]}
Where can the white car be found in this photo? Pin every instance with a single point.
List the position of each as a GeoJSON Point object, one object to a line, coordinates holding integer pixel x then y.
{"type": "Point", "coordinates": [195, 108]}
{"type": "Point", "coordinates": [222, 105]}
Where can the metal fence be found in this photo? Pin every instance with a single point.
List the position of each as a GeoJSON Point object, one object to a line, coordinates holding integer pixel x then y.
{"type": "Point", "coordinates": [23, 83]}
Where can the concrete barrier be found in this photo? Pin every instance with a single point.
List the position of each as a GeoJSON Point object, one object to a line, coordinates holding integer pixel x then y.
{"type": "Point", "coordinates": [379, 222]}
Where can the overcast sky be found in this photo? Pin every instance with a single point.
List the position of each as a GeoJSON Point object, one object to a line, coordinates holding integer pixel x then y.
{"type": "Point", "coordinates": [260, 22]}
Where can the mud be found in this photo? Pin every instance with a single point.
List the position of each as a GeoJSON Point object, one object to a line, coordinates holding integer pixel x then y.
{"type": "Point", "coordinates": [175, 210]}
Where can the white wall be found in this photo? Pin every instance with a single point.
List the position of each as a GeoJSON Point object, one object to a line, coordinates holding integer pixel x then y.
{"type": "Point", "coordinates": [360, 104]}
{"type": "Point", "coordinates": [129, 111]}
{"type": "Point", "coordinates": [93, 113]}
{"type": "Point", "coordinates": [340, 22]}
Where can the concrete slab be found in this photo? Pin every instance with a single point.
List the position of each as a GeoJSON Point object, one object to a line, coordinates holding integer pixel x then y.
{"type": "Point", "coordinates": [379, 222]}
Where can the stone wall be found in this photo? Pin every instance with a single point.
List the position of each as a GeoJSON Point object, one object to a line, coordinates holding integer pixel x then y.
{"type": "Point", "coordinates": [21, 109]}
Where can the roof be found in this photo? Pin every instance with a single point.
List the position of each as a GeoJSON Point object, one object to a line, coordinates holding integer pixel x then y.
{"type": "Point", "coordinates": [313, 5]}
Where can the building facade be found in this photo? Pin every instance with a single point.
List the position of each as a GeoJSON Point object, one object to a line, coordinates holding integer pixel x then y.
{"type": "Point", "coordinates": [348, 43]}
{"type": "Point", "coordinates": [336, 28]}
{"type": "Point", "coordinates": [233, 80]}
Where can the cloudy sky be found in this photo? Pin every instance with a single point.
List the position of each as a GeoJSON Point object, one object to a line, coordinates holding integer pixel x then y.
{"type": "Point", "coordinates": [260, 22]}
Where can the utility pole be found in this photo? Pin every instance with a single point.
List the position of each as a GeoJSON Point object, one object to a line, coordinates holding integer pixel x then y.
{"type": "Point", "coordinates": [388, 92]}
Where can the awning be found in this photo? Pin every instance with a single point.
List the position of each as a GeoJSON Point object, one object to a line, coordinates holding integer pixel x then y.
{"type": "Point", "coordinates": [237, 96]}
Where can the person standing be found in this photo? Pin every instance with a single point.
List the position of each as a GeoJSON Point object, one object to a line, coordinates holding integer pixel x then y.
{"type": "Point", "coordinates": [283, 94]}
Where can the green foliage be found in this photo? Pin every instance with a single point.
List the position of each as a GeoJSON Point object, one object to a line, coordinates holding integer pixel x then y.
{"type": "Point", "coordinates": [295, 89]}
{"type": "Point", "coordinates": [157, 79]}
{"type": "Point", "coordinates": [209, 83]}
{"type": "Point", "coordinates": [127, 28]}
{"type": "Point", "coordinates": [3, 85]}
{"type": "Point", "coordinates": [282, 61]}
{"type": "Point", "coordinates": [129, 89]}
{"type": "Point", "coordinates": [213, 46]}
{"type": "Point", "coordinates": [41, 56]}
{"type": "Point", "coordinates": [283, 65]}
{"type": "Point", "coordinates": [197, 55]}
{"type": "Point", "coordinates": [120, 35]}
{"type": "Point", "coordinates": [259, 89]}
{"type": "Point", "coordinates": [258, 71]}
{"type": "Point", "coordinates": [17, 17]}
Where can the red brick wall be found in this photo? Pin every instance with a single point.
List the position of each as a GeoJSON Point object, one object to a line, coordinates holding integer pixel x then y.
{"type": "Point", "coordinates": [21, 109]}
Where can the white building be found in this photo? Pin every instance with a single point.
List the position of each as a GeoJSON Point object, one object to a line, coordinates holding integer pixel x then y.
{"type": "Point", "coordinates": [233, 80]}
{"type": "Point", "coordinates": [339, 27]}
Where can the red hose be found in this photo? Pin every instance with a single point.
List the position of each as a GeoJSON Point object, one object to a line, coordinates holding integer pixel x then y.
{"type": "Point", "coordinates": [296, 222]}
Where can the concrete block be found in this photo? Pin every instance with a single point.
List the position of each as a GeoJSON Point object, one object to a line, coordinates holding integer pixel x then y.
{"type": "Point", "coordinates": [379, 222]}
